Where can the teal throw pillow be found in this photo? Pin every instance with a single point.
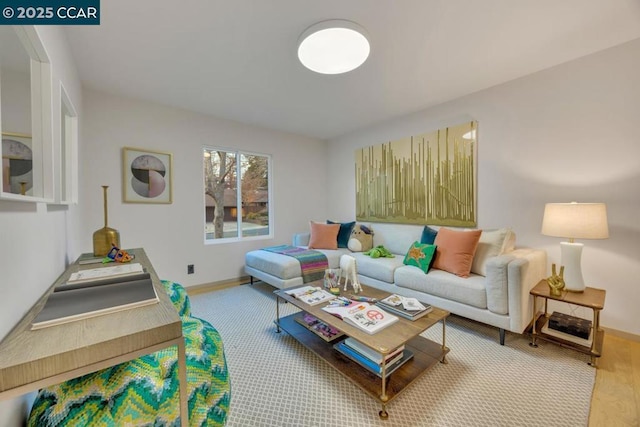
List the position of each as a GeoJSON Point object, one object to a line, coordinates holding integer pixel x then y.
{"type": "Point", "coordinates": [428, 235]}
{"type": "Point", "coordinates": [420, 255]}
{"type": "Point", "coordinates": [345, 232]}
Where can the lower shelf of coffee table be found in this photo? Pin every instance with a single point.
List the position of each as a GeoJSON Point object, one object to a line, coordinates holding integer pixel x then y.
{"type": "Point", "coordinates": [426, 354]}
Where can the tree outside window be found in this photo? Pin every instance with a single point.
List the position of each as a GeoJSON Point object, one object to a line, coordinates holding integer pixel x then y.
{"type": "Point", "coordinates": [232, 210]}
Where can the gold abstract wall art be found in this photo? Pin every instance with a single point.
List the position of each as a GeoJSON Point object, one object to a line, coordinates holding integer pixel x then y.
{"type": "Point", "coordinates": [429, 178]}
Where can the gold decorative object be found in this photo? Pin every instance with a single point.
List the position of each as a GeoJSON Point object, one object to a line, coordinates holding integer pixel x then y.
{"type": "Point", "coordinates": [105, 238]}
{"type": "Point", "coordinates": [556, 282]}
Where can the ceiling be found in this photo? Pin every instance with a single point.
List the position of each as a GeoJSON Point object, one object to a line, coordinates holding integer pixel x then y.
{"type": "Point", "coordinates": [236, 59]}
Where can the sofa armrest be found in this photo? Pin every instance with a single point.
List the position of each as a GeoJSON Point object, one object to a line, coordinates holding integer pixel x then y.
{"type": "Point", "coordinates": [529, 267]}
{"type": "Point", "coordinates": [497, 283]}
{"type": "Point", "coordinates": [510, 277]}
{"type": "Point", "coordinates": [301, 239]}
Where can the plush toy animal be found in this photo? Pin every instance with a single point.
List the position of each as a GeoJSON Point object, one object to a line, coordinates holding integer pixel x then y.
{"type": "Point", "coordinates": [361, 239]}
{"type": "Point", "coordinates": [349, 270]}
{"type": "Point", "coordinates": [379, 252]}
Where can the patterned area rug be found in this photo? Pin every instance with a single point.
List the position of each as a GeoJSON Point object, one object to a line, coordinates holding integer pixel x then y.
{"type": "Point", "coordinates": [277, 382]}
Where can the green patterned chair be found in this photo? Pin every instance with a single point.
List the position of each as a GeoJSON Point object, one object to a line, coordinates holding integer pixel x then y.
{"type": "Point", "coordinates": [144, 391]}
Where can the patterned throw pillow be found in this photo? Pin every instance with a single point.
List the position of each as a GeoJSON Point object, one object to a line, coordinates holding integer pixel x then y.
{"type": "Point", "coordinates": [420, 255]}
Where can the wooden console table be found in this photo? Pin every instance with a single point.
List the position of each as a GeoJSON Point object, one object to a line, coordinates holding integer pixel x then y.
{"type": "Point", "coordinates": [30, 360]}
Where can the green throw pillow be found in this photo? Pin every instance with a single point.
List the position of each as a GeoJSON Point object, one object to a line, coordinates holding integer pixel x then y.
{"type": "Point", "coordinates": [420, 255]}
{"type": "Point", "coordinates": [345, 232]}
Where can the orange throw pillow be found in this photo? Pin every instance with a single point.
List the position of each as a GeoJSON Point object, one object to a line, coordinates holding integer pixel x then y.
{"type": "Point", "coordinates": [456, 250]}
{"type": "Point", "coordinates": [324, 236]}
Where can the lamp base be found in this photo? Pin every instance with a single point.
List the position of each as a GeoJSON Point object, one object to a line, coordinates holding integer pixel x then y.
{"type": "Point", "coordinates": [570, 257]}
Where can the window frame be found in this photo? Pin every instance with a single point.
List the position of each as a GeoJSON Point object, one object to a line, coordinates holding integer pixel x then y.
{"type": "Point", "coordinates": [238, 153]}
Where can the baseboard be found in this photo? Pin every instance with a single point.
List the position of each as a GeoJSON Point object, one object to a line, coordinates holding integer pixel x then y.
{"type": "Point", "coordinates": [621, 334]}
{"type": "Point", "coordinates": [216, 286]}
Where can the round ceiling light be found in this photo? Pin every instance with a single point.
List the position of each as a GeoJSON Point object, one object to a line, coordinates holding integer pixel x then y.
{"type": "Point", "coordinates": [333, 47]}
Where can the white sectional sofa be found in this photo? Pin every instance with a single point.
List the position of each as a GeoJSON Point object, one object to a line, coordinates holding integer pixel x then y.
{"type": "Point", "coordinates": [499, 298]}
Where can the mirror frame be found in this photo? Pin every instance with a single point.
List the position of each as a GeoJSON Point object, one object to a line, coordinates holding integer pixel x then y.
{"type": "Point", "coordinates": [41, 118]}
{"type": "Point", "coordinates": [67, 188]}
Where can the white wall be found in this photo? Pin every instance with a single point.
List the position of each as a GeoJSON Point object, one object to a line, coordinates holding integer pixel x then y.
{"type": "Point", "coordinates": [173, 234]}
{"type": "Point", "coordinates": [36, 240]}
{"type": "Point", "coordinates": [569, 133]}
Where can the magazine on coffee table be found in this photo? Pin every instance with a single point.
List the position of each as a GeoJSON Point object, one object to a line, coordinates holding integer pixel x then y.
{"type": "Point", "coordinates": [311, 295]}
{"type": "Point", "coordinates": [324, 331]}
{"type": "Point", "coordinates": [409, 308]}
{"type": "Point", "coordinates": [363, 315]}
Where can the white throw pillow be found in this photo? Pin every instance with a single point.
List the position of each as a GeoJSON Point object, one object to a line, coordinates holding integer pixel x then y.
{"type": "Point", "coordinates": [492, 243]}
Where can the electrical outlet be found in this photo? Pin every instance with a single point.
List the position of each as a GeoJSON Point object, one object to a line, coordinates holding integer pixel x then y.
{"type": "Point", "coordinates": [190, 269]}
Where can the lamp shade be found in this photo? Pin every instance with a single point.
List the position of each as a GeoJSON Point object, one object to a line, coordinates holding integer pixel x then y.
{"type": "Point", "coordinates": [575, 220]}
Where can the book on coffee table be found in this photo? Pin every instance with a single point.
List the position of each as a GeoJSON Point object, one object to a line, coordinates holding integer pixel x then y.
{"type": "Point", "coordinates": [364, 316]}
{"type": "Point", "coordinates": [318, 327]}
{"type": "Point", "coordinates": [371, 354]}
{"type": "Point", "coordinates": [408, 308]}
{"type": "Point", "coordinates": [311, 295]}
{"type": "Point", "coordinates": [393, 364]}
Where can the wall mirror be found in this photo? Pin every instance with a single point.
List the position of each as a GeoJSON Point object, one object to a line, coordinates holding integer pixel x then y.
{"type": "Point", "coordinates": [25, 116]}
{"type": "Point", "coordinates": [67, 192]}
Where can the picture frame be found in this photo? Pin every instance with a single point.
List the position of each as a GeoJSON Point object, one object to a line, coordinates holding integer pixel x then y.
{"type": "Point", "coordinates": [425, 178]}
{"type": "Point", "coordinates": [17, 163]}
{"type": "Point", "coordinates": [147, 176]}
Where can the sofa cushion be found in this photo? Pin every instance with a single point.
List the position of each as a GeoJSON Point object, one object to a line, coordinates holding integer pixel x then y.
{"type": "Point", "coordinates": [428, 235]}
{"type": "Point", "coordinates": [377, 268]}
{"type": "Point", "coordinates": [492, 243]}
{"type": "Point", "coordinates": [285, 267]}
{"type": "Point", "coordinates": [470, 291]}
{"type": "Point", "coordinates": [420, 255]}
{"type": "Point", "coordinates": [456, 250]}
{"type": "Point", "coordinates": [281, 266]}
{"type": "Point", "coordinates": [395, 237]}
{"type": "Point", "coordinates": [323, 236]}
{"type": "Point", "coordinates": [344, 233]}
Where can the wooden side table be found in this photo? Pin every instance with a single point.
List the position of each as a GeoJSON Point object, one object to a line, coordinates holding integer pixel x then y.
{"type": "Point", "coordinates": [592, 298]}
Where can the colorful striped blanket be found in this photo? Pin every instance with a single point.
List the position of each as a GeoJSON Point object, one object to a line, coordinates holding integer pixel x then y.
{"type": "Point", "coordinates": [312, 263]}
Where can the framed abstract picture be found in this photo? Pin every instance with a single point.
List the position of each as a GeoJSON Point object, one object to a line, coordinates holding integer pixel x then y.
{"type": "Point", "coordinates": [427, 178]}
{"type": "Point", "coordinates": [17, 163]}
{"type": "Point", "coordinates": [147, 176]}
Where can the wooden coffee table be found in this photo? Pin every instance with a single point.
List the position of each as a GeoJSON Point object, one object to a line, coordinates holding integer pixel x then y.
{"type": "Point", "coordinates": [385, 388]}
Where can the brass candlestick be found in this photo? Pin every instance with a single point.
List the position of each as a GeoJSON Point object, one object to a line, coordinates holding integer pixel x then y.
{"type": "Point", "coordinates": [106, 237]}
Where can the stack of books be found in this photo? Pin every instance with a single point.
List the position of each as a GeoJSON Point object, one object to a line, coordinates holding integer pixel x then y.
{"type": "Point", "coordinates": [409, 308]}
{"type": "Point", "coordinates": [95, 292]}
{"type": "Point", "coordinates": [371, 359]}
{"type": "Point", "coordinates": [569, 328]}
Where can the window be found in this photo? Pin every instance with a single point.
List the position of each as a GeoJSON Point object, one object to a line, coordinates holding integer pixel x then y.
{"type": "Point", "coordinates": [236, 211]}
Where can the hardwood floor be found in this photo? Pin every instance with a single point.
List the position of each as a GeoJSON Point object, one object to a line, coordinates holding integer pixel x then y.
{"type": "Point", "coordinates": [616, 394]}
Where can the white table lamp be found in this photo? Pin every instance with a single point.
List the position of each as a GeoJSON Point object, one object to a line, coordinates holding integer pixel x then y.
{"type": "Point", "coordinates": [574, 221]}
